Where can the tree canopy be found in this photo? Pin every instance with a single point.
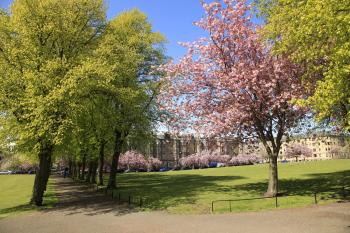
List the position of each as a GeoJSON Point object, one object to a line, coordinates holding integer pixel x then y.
{"type": "Point", "coordinates": [230, 83]}
{"type": "Point", "coordinates": [315, 34]}
{"type": "Point", "coordinates": [73, 82]}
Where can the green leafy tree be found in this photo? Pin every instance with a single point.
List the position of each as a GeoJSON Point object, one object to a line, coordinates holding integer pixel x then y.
{"type": "Point", "coordinates": [41, 42]}
{"type": "Point", "coordinates": [121, 73]}
{"type": "Point", "coordinates": [128, 52]}
{"type": "Point", "coordinates": [315, 33]}
{"type": "Point", "coordinates": [92, 122]}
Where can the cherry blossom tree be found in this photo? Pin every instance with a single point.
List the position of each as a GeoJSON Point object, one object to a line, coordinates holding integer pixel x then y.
{"type": "Point", "coordinates": [298, 150]}
{"type": "Point", "coordinates": [229, 83]}
{"type": "Point", "coordinates": [203, 158]}
{"type": "Point", "coordinates": [245, 159]}
{"type": "Point", "coordinates": [132, 160]}
{"type": "Point", "coordinates": [135, 161]}
{"type": "Point", "coordinates": [335, 151]}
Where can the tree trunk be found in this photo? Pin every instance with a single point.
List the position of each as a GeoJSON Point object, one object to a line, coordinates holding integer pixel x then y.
{"type": "Point", "coordinates": [83, 167]}
{"type": "Point", "coordinates": [272, 189]}
{"type": "Point", "coordinates": [70, 168]}
{"type": "Point", "coordinates": [88, 176]}
{"type": "Point", "coordinates": [79, 171]}
{"type": "Point", "coordinates": [42, 174]}
{"type": "Point", "coordinates": [94, 171]}
{"type": "Point", "coordinates": [112, 182]}
{"type": "Point", "coordinates": [76, 170]}
{"type": "Point", "coordinates": [101, 163]}
{"type": "Point", "coordinates": [73, 170]}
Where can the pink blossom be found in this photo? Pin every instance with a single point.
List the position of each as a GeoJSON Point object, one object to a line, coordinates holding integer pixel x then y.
{"type": "Point", "coordinates": [296, 150]}
{"type": "Point", "coordinates": [135, 161]}
{"type": "Point", "coordinates": [245, 159]}
{"type": "Point", "coordinates": [230, 81]}
{"type": "Point", "coordinates": [203, 159]}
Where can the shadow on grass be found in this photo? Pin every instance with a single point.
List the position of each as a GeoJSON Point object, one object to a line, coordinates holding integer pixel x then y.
{"type": "Point", "coordinates": [164, 191]}
{"type": "Point", "coordinates": [16, 210]}
{"type": "Point", "coordinates": [326, 185]}
{"type": "Point", "coordinates": [49, 201]}
{"type": "Point", "coordinates": [158, 192]}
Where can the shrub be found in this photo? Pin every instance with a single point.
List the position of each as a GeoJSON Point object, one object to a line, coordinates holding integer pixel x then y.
{"type": "Point", "coordinates": [153, 164]}
{"type": "Point", "coordinates": [244, 159]}
{"type": "Point", "coordinates": [191, 161]}
{"type": "Point", "coordinates": [17, 163]}
{"type": "Point", "coordinates": [133, 161]}
{"type": "Point", "coordinates": [203, 159]}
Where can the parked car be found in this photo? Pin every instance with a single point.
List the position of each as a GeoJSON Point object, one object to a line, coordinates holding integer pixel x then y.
{"type": "Point", "coordinates": [7, 172]}
{"type": "Point", "coordinates": [164, 169]}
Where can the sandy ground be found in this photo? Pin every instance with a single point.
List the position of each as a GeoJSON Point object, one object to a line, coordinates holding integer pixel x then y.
{"type": "Point", "coordinates": [83, 211]}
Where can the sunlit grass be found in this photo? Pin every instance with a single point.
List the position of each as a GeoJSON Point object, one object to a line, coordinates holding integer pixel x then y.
{"type": "Point", "coordinates": [192, 191]}
{"type": "Point", "coordinates": [15, 194]}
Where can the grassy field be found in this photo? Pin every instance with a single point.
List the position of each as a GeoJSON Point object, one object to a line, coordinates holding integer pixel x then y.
{"type": "Point", "coordinates": [191, 191]}
{"type": "Point", "coordinates": [15, 193]}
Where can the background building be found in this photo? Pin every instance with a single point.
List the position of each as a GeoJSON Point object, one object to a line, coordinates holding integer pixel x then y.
{"type": "Point", "coordinates": [170, 148]}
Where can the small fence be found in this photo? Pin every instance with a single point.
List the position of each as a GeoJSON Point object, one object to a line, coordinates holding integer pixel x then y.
{"type": "Point", "coordinates": [122, 198]}
{"type": "Point", "coordinates": [314, 196]}
{"type": "Point", "coordinates": [119, 198]}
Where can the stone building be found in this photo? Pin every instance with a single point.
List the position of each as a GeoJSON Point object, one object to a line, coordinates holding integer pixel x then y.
{"type": "Point", "coordinates": [170, 148]}
{"type": "Point", "coordinates": [323, 146]}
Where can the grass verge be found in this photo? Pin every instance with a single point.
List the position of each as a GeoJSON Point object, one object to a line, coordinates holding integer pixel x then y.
{"type": "Point", "coordinates": [15, 194]}
{"type": "Point", "coordinates": [192, 191]}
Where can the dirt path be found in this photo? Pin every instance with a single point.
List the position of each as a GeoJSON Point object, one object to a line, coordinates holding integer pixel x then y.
{"type": "Point", "coordinates": [83, 211]}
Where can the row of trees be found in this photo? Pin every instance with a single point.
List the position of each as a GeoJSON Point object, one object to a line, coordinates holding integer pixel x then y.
{"type": "Point", "coordinates": [73, 83]}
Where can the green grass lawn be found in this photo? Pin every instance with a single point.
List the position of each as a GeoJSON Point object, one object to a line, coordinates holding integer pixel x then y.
{"type": "Point", "coordinates": [15, 194]}
{"type": "Point", "coordinates": [191, 191]}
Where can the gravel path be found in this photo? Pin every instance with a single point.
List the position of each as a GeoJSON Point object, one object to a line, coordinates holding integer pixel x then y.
{"type": "Point", "coordinates": [83, 211]}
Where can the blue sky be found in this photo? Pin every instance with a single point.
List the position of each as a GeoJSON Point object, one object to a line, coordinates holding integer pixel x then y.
{"type": "Point", "coordinates": [172, 18]}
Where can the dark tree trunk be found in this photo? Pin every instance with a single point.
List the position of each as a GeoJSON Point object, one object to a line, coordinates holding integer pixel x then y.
{"type": "Point", "coordinates": [76, 170]}
{"type": "Point", "coordinates": [94, 172]}
{"type": "Point", "coordinates": [42, 174]}
{"type": "Point", "coordinates": [70, 167]}
{"type": "Point", "coordinates": [112, 182]}
{"type": "Point", "coordinates": [83, 167]}
{"type": "Point", "coordinates": [79, 171]}
{"type": "Point", "coordinates": [72, 174]}
{"type": "Point", "coordinates": [272, 189]}
{"type": "Point", "coordinates": [88, 176]}
{"type": "Point", "coordinates": [101, 159]}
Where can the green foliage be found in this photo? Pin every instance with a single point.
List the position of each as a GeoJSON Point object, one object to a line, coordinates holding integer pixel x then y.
{"type": "Point", "coordinates": [18, 162]}
{"type": "Point", "coordinates": [71, 78]}
{"type": "Point", "coordinates": [42, 41]}
{"type": "Point", "coordinates": [315, 33]}
{"type": "Point", "coordinates": [116, 81]}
